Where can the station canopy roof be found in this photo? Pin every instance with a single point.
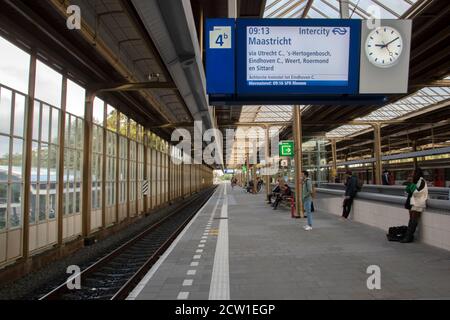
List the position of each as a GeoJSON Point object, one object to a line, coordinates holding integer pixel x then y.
{"type": "Point", "coordinates": [359, 9]}
{"type": "Point", "coordinates": [419, 102]}
{"type": "Point", "coordinates": [405, 107]}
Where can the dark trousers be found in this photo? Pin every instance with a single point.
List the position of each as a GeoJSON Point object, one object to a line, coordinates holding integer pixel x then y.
{"type": "Point", "coordinates": [347, 207]}
{"type": "Point", "coordinates": [414, 217]}
{"type": "Point", "coordinates": [270, 195]}
{"type": "Point", "coordinates": [277, 201]}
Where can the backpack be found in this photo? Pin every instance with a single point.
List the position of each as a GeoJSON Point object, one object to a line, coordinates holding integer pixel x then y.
{"type": "Point", "coordinates": [396, 233]}
{"type": "Point", "coordinates": [359, 184]}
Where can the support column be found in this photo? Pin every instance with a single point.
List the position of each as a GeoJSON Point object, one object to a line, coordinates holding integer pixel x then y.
{"type": "Point", "coordinates": [128, 165]}
{"type": "Point", "coordinates": [255, 190]}
{"type": "Point", "coordinates": [298, 137]}
{"type": "Point", "coordinates": [87, 163]}
{"type": "Point", "coordinates": [201, 32]}
{"type": "Point", "coordinates": [28, 156]}
{"type": "Point", "coordinates": [267, 155]}
{"type": "Point", "coordinates": [334, 157]}
{"type": "Point", "coordinates": [62, 134]}
{"type": "Point", "coordinates": [247, 174]}
{"type": "Point", "coordinates": [169, 176]}
{"type": "Point", "coordinates": [344, 9]}
{"type": "Point", "coordinates": [319, 175]}
{"type": "Point", "coordinates": [232, 9]}
{"type": "Point", "coordinates": [146, 175]}
{"type": "Point", "coordinates": [377, 152]}
{"type": "Point", "coordinates": [104, 149]}
{"type": "Point", "coordinates": [414, 147]}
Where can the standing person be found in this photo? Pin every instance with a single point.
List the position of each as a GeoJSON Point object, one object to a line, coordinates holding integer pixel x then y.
{"type": "Point", "coordinates": [418, 193]}
{"type": "Point", "coordinates": [386, 178]}
{"type": "Point", "coordinates": [307, 199]}
{"type": "Point", "coordinates": [351, 188]}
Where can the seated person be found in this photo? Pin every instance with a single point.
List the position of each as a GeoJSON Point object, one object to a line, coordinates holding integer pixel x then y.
{"type": "Point", "coordinates": [250, 186]}
{"type": "Point", "coordinates": [259, 184]}
{"type": "Point", "coordinates": [275, 191]}
{"type": "Point", "coordinates": [286, 192]}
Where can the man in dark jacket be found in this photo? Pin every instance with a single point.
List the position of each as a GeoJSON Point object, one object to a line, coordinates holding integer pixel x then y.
{"type": "Point", "coordinates": [386, 178]}
{"type": "Point", "coordinates": [351, 188]}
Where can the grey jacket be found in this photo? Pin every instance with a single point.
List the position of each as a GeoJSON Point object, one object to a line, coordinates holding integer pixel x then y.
{"type": "Point", "coordinates": [307, 189]}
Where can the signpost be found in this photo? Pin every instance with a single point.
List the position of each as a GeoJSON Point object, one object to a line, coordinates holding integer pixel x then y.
{"type": "Point", "coordinates": [286, 148]}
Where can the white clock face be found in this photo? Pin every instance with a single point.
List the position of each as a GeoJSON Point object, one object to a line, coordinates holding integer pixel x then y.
{"type": "Point", "coordinates": [384, 46]}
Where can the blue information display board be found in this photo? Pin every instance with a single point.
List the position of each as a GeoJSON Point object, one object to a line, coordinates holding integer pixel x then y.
{"type": "Point", "coordinates": [220, 56]}
{"type": "Point", "coordinates": [297, 56]}
{"type": "Point", "coordinates": [284, 61]}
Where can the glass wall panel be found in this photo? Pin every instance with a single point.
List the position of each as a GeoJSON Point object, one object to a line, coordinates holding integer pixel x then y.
{"type": "Point", "coordinates": [97, 166]}
{"type": "Point", "coordinates": [123, 172]}
{"type": "Point", "coordinates": [111, 118]}
{"type": "Point", "coordinates": [14, 75]}
{"type": "Point", "coordinates": [76, 96]}
{"type": "Point", "coordinates": [19, 115]}
{"type": "Point", "coordinates": [44, 171]}
{"type": "Point", "coordinates": [5, 110]}
{"type": "Point", "coordinates": [133, 170]}
{"type": "Point", "coordinates": [48, 85]}
{"type": "Point", "coordinates": [140, 171]}
{"type": "Point", "coordinates": [14, 81]}
{"type": "Point", "coordinates": [123, 125]}
{"type": "Point", "coordinates": [98, 112]}
{"type": "Point", "coordinates": [11, 159]}
{"type": "Point", "coordinates": [111, 154]}
{"type": "Point", "coordinates": [73, 164]}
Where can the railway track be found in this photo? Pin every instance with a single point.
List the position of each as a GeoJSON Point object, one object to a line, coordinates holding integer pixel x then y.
{"type": "Point", "coordinates": [115, 275]}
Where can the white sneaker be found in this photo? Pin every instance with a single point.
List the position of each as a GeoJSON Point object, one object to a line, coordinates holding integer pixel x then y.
{"type": "Point", "coordinates": [305, 227]}
{"type": "Point", "coordinates": [308, 228]}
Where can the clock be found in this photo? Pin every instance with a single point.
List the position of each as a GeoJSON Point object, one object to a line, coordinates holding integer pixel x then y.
{"type": "Point", "coordinates": [384, 46]}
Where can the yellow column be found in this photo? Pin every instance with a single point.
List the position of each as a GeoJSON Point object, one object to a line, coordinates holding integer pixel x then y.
{"type": "Point", "coordinates": [297, 126]}
{"type": "Point", "coordinates": [377, 152]}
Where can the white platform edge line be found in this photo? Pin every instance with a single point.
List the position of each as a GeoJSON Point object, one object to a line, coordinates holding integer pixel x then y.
{"type": "Point", "coordinates": [134, 294]}
{"type": "Point", "coordinates": [220, 279]}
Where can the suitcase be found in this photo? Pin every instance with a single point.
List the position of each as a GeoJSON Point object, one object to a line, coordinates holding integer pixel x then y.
{"type": "Point", "coordinates": [396, 233]}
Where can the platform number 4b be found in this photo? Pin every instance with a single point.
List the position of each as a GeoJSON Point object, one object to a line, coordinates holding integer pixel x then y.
{"type": "Point", "coordinates": [220, 38]}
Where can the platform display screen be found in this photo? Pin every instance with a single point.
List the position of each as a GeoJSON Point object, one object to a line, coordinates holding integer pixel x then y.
{"type": "Point", "coordinates": [297, 56]}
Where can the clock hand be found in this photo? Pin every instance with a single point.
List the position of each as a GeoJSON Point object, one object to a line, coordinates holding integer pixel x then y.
{"type": "Point", "coordinates": [390, 53]}
{"type": "Point", "coordinates": [392, 41]}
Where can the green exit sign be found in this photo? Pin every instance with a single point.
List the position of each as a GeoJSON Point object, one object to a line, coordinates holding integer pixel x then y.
{"type": "Point", "coordinates": [286, 148]}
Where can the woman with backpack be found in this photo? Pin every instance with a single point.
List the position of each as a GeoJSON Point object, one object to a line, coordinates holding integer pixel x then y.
{"type": "Point", "coordinates": [416, 203]}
